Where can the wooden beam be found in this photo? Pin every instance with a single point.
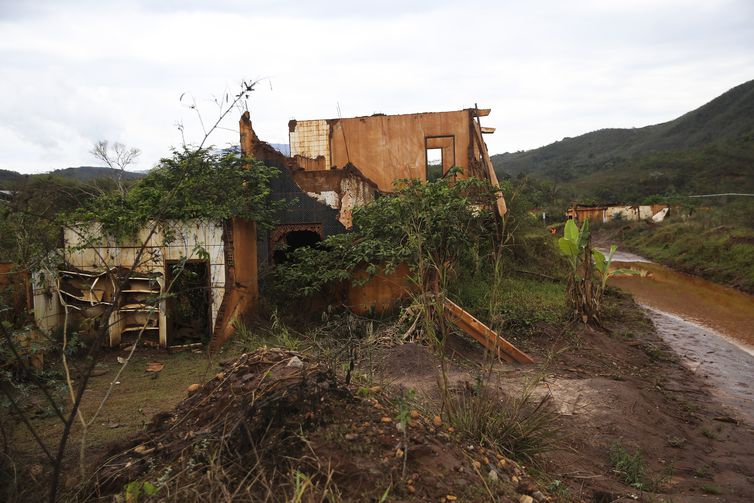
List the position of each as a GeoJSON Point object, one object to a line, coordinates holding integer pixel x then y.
{"type": "Point", "coordinates": [483, 334]}
{"type": "Point", "coordinates": [482, 112]}
{"type": "Point", "coordinates": [488, 130]}
{"type": "Point", "coordinates": [502, 209]}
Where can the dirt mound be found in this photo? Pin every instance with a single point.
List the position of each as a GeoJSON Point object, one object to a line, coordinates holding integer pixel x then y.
{"type": "Point", "coordinates": [410, 359]}
{"type": "Point", "coordinates": [276, 426]}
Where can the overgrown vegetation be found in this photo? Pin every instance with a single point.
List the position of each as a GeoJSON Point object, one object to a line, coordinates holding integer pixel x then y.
{"type": "Point", "coordinates": [522, 425]}
{"type": "Point", "coordinates": [444, 224]}
{"type": "Point", "coordinates": [192, 184]}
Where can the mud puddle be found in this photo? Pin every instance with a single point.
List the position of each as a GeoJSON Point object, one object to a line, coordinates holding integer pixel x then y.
{"type": "Point", "coordinates": [710, 326]}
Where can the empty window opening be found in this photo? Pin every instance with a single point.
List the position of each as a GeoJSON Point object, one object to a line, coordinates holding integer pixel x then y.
{"type": "Point", "coordinates": [434, 164]}
{"type": "Point", "coordinates": [292, 241]}
{"type": "Point", "coordinates": [189, 303]}
{"type": "Point", "coordinates": [441, 155]}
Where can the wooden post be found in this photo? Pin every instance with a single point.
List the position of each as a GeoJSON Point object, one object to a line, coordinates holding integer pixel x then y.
{"type": "Point", "coordinates": [502, 208]}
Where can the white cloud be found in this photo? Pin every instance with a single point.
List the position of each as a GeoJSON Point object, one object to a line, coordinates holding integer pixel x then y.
{"type": "Point", "coordinates": [74, 72]}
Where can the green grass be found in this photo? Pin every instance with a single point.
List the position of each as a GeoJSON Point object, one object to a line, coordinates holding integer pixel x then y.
{"type": "Point", "coordinates": [630, 467]}
{"type": "Point", "coordinates": [522, 426]}
{"type": "Point", "coordinates": [519, 303]}
{"type": "Point", "coordinates": [711, 489]}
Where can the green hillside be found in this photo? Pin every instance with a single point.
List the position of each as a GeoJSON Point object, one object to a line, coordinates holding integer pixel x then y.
{"type": "Point", "coordinates": [9, 179]}
{"type": "Point", "coordinates": [12, 180]}
{"type": "Point", "coordinates": [710, 149]}
{"type": "Point", "coordinates": [89, 173]}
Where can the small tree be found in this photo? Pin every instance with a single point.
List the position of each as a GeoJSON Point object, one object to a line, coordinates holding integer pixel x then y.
{"type": "Point", "coordinates": [117, 156]}
{"type": "Point", "coordinates": [588, 274]}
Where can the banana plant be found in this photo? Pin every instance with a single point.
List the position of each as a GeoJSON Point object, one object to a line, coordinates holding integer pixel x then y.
{"type": "Point", "coordinates": [585, 293]}
{"type": "Point", "coordinates": [602, 264]}
{"type": "Point", "coordinates": [574, 242]}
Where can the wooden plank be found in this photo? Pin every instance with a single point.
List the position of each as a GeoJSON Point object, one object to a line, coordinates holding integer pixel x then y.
{"type": "Point", "coordinates": [483, 334]}
{"type": "Point", "coordinates": [488, 130]}
{"type": "Point", "coordinates": [502, 209]}
{"type": "Point", "coordinates": [482, 112]}
{"type": "Point", "coordinates": [481, 338]}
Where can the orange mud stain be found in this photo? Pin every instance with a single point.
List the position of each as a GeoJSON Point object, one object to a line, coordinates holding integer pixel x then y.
{"type": "Point", "coordinates": [723, 309]}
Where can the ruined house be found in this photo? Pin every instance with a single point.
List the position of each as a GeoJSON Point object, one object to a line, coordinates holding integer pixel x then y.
{"type": "Point", "coordinates": [197, 258]}
{"type": "Point", "coordinates": [602, 213]}
{"type": "Point", "coordinates": [338, 164]}
{"type": "Point", "coordinates": [335, 166]}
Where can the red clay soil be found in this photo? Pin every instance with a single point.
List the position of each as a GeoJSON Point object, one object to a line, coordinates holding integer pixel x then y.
{"type": "Point", "coordinates": [275, 413]}
{"type": "Point", "coordinates": [621, 387]}
{"type": "Point", "coordinates": [627, 387]}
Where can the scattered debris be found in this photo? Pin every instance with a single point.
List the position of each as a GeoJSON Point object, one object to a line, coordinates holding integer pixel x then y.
{"type": "Point", "coordinates": [272, 420]}
{"type": "Point", "coordinates": [155, 366]}
{"type": "Point", "coordinates": [295, 362]}
{"type": "Point", "coordinates": [483, 334]}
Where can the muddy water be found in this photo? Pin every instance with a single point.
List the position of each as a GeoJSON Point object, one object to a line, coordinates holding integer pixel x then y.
{"type": "Point", "coordinates": [710, 326]}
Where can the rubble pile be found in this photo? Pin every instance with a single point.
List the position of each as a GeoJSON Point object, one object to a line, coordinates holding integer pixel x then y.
{"type": "Point", "coordinates": [274, 422]}
{"type": "Point", "coordinates": [253, 411]}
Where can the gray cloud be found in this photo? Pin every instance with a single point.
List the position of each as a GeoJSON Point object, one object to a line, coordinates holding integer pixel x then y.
{"type": "Point", "coordinates": [74, 72]}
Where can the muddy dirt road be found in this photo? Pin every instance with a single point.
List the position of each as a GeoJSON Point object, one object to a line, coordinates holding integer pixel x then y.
{"type": "Point", "coordinates": [710, 326]}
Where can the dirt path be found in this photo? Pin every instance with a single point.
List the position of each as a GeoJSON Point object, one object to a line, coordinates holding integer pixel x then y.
{"type": "Point", "coordinates": [629, 388]}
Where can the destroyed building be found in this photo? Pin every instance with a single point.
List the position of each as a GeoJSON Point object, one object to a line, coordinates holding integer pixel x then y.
{"type": "Point", "coordinates": [335, 166]}
{"type": "Point", "coordinates": [602, 213]}
{"type": "Point", "coordinates": [86, 286]}
{"type": "Point", "coordinates": [338, 164]}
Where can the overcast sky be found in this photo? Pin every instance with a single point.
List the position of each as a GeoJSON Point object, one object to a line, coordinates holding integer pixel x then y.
{"type": "Point", "coordinates": [74, 72]}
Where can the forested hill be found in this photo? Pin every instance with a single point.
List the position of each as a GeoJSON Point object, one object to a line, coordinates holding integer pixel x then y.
{"type": "Point", "coordinates": [11, 179]}
{"type": "Point", "coordinates": [708, 149]}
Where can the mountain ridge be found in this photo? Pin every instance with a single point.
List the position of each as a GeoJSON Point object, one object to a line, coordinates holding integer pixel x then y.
{"type": "Point", "coordinates": [9, 179]}
{"type": "Point", "coordinates": [681, 155]}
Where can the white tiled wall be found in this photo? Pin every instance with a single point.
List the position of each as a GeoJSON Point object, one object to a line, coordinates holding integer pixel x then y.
{"type": "Point", "coordinates": [311, 139]}
{"type": "Point", "coordinates": [186, 236]}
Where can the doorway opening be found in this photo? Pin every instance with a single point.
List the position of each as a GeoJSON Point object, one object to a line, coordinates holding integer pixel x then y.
{"type": "Point", "coordinates": [189, 304]}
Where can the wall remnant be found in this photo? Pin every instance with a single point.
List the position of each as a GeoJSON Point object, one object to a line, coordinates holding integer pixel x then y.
{"type": "Point", "coordinates": [617, 212]}
{"type": "Point", "coordinates": [337, 165]}
{"type": "Point", "coordinates": [87, 282]}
